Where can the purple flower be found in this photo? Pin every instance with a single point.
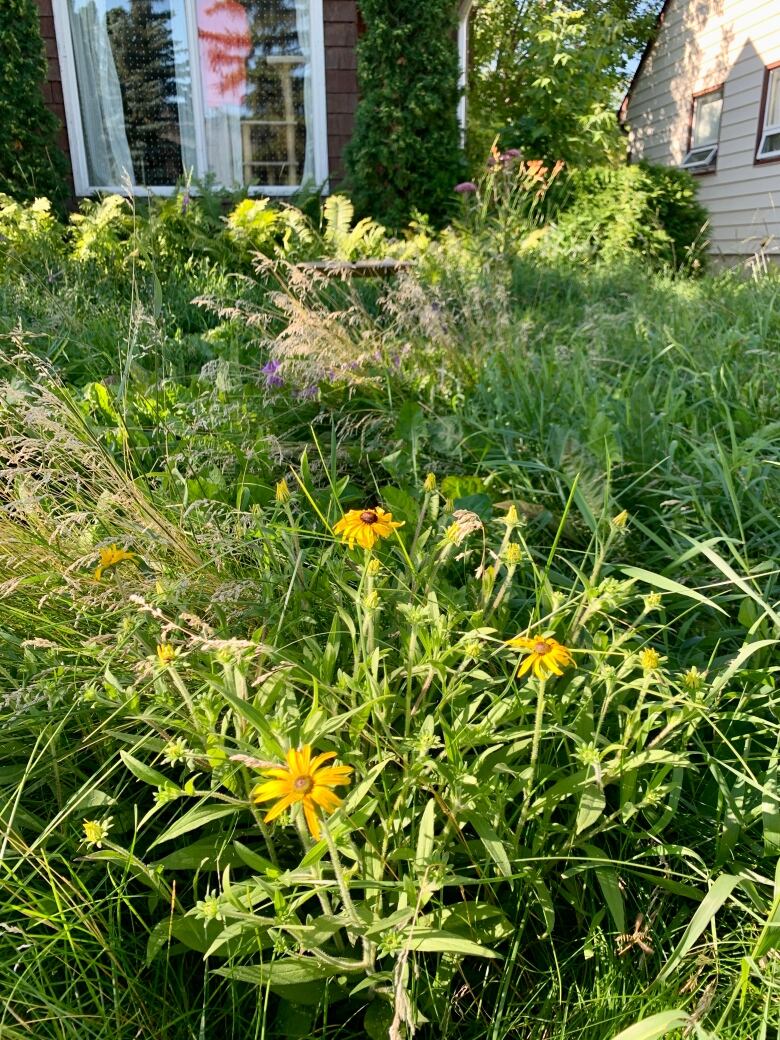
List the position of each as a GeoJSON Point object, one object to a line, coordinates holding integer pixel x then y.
{"type": "Point", "coordinates": [270, 370]}
{"type": "Point", "coordinates": [465, 188]}
{"type": "Point", "coordinates": [308, 392]}
{"type": "Point", "coordinates": [510, 153]}
{"type": "Point", "coordinates": [185, 202]}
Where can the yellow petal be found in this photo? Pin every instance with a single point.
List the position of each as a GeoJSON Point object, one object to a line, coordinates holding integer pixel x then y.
{"type": "Point", "coordinates": [525, 665]}
{"type": "Point", "coordinates": [311, 818]}
{"type": "Point", "coordinates": [272, 789]}
{"type": "Point", "coordinates": [317, 762]}
{"type": "Point", "coordinates": [278, 809]}
{"type": "Point", "coordinates": [326, 798]}
{"type": "Point", "coordinates": [333, 776]}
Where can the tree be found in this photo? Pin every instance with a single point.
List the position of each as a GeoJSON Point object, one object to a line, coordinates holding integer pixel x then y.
{"type": "Point", "coordinates": [547, 76]}
{"type": "Point", "coordinates": [405, 150]}
{"type": "Point", "coordinates": [30, 162]}
{"type": "Point", "coordinates": [143, 49]}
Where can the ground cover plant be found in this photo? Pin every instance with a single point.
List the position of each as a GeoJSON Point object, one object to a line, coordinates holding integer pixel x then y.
{"type": "Point", "coordinates": [385, 658]}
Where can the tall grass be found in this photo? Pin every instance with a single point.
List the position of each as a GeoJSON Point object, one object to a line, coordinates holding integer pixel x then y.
{"type": "Point", "coordinates": [514, 857]}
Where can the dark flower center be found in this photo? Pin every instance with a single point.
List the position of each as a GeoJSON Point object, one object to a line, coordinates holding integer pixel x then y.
{"type": "Point", "coordinates": [541, 647]}
{"type": "Point", "coordinates": [303, 784]}
{"type": "Point", "coordinates": [369, 517]}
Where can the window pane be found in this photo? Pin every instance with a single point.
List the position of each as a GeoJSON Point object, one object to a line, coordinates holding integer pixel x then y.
{"type": "Point", "coordinates": [132, 68]}
{"type": "Point", "coordinates": [706, 119]}
{"type": "Point", "coordinates": [255, 60]}
{"type": "Point", "coordinates": [770, 144]}
{"type": "Point", "coordinates": [772, 117]}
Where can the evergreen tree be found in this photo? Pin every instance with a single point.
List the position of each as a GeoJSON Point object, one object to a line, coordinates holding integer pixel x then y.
{"type": "Point", "coordinates": [143, 49]}
{"type": "Point", "coordinates": [405, 152]}
{"type": "Point", "coordinates": [31, 164]}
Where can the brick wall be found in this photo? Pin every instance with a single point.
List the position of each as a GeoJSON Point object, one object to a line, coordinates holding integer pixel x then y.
{"type": "Point", "coordinates": [341, 32]}
{"type": "Point", "coordinates": [52, 87]}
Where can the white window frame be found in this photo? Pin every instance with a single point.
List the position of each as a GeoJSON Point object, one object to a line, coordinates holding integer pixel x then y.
{"type": "Point", "coordinates": [709, 148]}
{"type": "Point", "coordinates": [464, 12]}
{"type": "Point", "coordinates": [78, 155]}
{"type": "Point", "coordinates": [767, 129]}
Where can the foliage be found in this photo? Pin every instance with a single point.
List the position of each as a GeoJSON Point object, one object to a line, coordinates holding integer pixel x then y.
{"type": "Point", "coordinates": [545, 78]}
{"type": "Point", "coordinates": [648, 210]}
{"type": "Point", "coordinates": [579, 451]}
{"type": "Point", "coordinates": [404, 154]}
{"type": "Point", "coordinates": [31, 164]}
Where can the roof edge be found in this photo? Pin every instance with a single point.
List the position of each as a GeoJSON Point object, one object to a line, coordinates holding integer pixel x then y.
{"type": "Point", "coordinates": [659, 21]}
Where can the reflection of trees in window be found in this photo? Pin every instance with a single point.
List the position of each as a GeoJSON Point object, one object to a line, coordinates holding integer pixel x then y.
{"type": "Point", "coordinates": [143, 48]}
{"type": "Point", "coordinates": [275, 92]}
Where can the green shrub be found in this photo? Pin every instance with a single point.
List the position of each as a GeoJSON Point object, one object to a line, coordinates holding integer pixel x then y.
{"type": "Point", "coordinates": [405, 151]}
{"type": "Point", "coordinates": [644, 209]}
{"type": "Point", "coordinates": [30, 162]}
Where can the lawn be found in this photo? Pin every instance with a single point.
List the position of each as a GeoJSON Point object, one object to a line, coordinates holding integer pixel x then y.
{"type": "Point", "coordinates": [545, 686]}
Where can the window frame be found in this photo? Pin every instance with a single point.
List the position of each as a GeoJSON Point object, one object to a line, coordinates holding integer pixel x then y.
{"type": "Point", "coordinates": [758, 159]}
{"type": "Point", "coordinates": [710, 166]}
{"type": "Point", "coordinates": [75, 129]}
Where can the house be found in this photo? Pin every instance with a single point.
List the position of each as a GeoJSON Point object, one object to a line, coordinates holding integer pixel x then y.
{"type": "Point", "coordinates": [245, 92]}
{"type": "Point", "coordinates": [706, 98]}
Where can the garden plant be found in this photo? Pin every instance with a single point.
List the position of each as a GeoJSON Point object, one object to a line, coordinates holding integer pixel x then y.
{"type": "Point", "coordinates": [388, 657]}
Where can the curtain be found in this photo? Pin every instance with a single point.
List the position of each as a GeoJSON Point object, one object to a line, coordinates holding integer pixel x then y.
{"type": "Point", "coordinates": [102, 116]}
{"type": "Point", "coordinates": [224, 43]}
{"type": "Point", "coordinates": [303, 27]}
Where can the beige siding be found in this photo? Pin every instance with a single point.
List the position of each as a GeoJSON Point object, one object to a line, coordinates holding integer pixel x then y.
{"type": "Point", "coordinates": [702, 43]}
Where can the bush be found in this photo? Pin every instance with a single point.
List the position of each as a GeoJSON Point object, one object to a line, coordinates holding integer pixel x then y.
{"type": "Point", "coordinates": [30, 162]}
{"type": "Point", "coordinates": [405, 151]}
{"type": "Point", "coordinates": [644, 209]}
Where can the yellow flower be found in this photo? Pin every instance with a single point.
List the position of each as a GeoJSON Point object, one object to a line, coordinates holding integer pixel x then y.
{"type": "Point", "coordinates": [303, 779]}
{"type": "Point", "coordinates": [619, 522]}
{"type": "Point", "coordinates": [544, 656]}
{"type": "Point", "coordinates": [283, 492]}
{"type": "Point", "coordinates": [96, 831]}
{"type": "Point", "coordinates": [365, 526]}
{"type": "Point", "coordinates": [649, 659]}
{"type": "Point", "coordinates": [166, 654]}
{"type": "Point", "coordinates": [429, 484]}
{"type": "Point", "coordinates": [110, 557]}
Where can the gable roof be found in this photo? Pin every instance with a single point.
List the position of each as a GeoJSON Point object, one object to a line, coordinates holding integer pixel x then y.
{"type": "Point", "coordinates": [643, 59]}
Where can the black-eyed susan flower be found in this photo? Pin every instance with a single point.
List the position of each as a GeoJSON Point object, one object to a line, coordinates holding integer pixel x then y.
{"type": "Point", "coordinates": [364, 527]}
{"type": "Point", "coordinates": [110, 557]}
{"type": "Point", "coordinates": [649, 659]}
{"type": "Point", "coordinates": [96, 831]}
{"type": "Point", "coordinates": [304, 779]}
{"type": "Point", "coordinates": [166, 654]}
{"type": "Point", "coordinates": [545, 656]}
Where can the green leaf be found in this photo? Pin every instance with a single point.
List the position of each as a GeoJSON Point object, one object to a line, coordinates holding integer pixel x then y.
{"type": "Point", "coordinates": [655, 1027]}
{"type": "Point", "coordinates": [425, 834]}
{"type": "Point", "coordinates": [432, 940]}
{"type": "Point", "coordinates": [209, 853]}
{"type": "Point", "coordinates": [143, 771]}
{"type": "Point", "coordinates": [592, 805]}
{"type": "Point", "coordinates": [197, 817]}
{"type": "Point", "coordinates": [256, 719]}
{"type": "Point", "coordinates": [493, 844]}
{"type": "Point", "coordinates": [706, 911]}
{"type": "Point", "coordinates": [658, 581]}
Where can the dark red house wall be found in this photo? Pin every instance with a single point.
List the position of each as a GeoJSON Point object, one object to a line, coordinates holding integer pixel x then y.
{"type": "Point", "coordinates": [52, 87]}
{"type": "Point", "coordinates": [341, 30]}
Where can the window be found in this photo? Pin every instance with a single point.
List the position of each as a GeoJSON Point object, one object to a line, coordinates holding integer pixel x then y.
{"type": "Point", "coordinates": [705, 131]}
{"type": "Point", "coordinates": [769, 127]}
{"type": "Point", "coordinates": [160, 90]}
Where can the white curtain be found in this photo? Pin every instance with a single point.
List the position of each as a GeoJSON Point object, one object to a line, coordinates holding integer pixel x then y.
{"type": "Point", "coordinates": [303, 26]}
{"type": "Point", "coordinates": [183, 71]}
{"type": "Point", "coordinates": [105, 140]}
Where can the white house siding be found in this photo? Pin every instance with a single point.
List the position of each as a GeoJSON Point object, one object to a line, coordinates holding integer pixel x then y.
{"type": "Point", "coordinates": [702, 43]}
